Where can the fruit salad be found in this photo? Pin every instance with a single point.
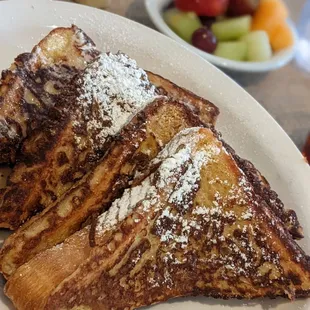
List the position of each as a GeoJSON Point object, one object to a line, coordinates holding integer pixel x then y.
{"type": "Point", "coordinates": [242, 30]}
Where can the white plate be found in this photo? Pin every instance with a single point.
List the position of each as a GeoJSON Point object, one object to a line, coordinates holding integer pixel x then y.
{"type": "Point", "coordinates": [278, 60]}
{"type": "Point", "coordinates": [243, 122]}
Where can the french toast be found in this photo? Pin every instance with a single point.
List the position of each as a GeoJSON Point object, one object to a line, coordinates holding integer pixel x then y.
{"type": "Point", "coordinates": [139, 141]}
{"type": "Point", "coordinates": [206, 110]}
{"type": "Point", "coordinates": [193, 226]}
{"type": "Point", "coordinates": [51, 161]}
{"type": "Point", "coordinates": [70, 142]}
{"type": "Point", "coordinates": [259, 182]}
{"type": "Point", "coordinates": [55, 224]}
{"type": "Point", "coordinates": [54, 61]}
{"type": "Point", "coordinates": [94, 108]}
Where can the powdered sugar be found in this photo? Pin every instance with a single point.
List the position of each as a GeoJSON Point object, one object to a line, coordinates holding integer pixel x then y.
{"type": "Point", "coordinates": [6, 130]}
{"type": "Point", "coordinates": [230, 242]}
{"type": "Point", "coordinates": [179, 140]}
{"type": "Point", "coordinates": [172, 160]}
{"type": "Point", "coordinates": [121, 208]}
{"type": "Point", "coordinates": [112, 90]}
{"type": "Point", "coordinates": [84, 44]}
{"type": "Point", "coordinates": [189, 180]}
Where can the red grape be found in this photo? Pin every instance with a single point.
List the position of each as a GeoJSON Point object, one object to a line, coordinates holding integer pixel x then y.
{"type": "Point", "coordinates": [204, 39]}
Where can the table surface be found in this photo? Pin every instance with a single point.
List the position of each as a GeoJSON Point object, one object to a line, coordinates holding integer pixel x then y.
{"type": "Point", "coordinates": [285, 93]}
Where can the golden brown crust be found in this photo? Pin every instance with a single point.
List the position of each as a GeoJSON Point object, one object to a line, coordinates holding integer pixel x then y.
{"type": "Point", "coordinates": [21, 108]}
{"type": "Point", "coordinates": [50, 161]}
{"type": "Point", "coordinates": [119, 271]}
{"type": "Point", "coordinates": [157, 124]}
{"type": "Point", "coordinates": [43, 266]}
{"type": "Point", "coordinates": [206, 110]}
{"type": "Point", "coordinates": [263, 189]}
{"type": "Point", "coordinates": [236, 249]}
{"type": "Point", "coordinates": [49, 186]}
{"type": "Point", "coordinates": [260, 184]}
{"type": "Point", "coordinates": [60, 220]}
{"type": "Point", "coordinates": [40, 179]}
{"type": "Point", "coordinates": [11, 116]}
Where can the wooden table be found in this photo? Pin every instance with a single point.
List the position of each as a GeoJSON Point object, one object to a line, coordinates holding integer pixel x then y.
{"type": "Point", "coordinates": [285, 93]}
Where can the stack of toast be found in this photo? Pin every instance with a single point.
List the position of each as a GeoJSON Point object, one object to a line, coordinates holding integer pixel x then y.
{"type": "Point", "coordinates": [123, 194]}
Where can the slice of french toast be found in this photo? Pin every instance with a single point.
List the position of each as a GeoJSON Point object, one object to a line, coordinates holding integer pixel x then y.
{"type": "Point", "coordinates": [194, 226]}
{"type": "Point", "coordinates": [54, 61]}
{"type": "Point", "coordinates": [137, 144]}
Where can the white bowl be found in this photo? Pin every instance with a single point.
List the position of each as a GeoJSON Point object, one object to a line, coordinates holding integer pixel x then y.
{"type": "Point", "coordinates": [278, 60]}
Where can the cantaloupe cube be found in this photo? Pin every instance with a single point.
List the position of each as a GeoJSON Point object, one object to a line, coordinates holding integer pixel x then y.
{"type": "Point", "coordinates": [281, 37]}
{"type": "Point", "coordinates": [269, 14]}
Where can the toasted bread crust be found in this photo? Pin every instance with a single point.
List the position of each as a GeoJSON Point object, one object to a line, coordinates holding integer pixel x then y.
{"type": "Point", "coordinates": [74, 186]}
{"type": "Point", "coordinates": [112, 175]}
{"type": "Point", "coordinates": [50, 161]}
{"type": "Point", "coordinates": [36, 200]}
{"type": "Point", "coordinates": [206, 110]}
{"type": "Point", "coordinates": [263, 189]}
{"type": "Point", "coordinates": [63, 268]}
{"type": "Point", "coordinates": [20, 111]}
{"type": "Point", "coordinates": [126, 254]}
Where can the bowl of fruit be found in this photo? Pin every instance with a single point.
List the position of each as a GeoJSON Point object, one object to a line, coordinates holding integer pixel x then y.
{"type": "Point", "coordinates": [239, 35]}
